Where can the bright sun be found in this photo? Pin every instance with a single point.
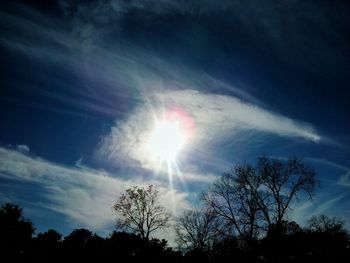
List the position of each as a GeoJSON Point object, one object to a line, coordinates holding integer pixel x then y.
{"type": "Point", "coordinates": [166, 140]}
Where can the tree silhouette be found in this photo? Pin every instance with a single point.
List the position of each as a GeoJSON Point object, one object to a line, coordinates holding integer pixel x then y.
{"type": "Point", "coordinates": [46, 246]}
{"type": "Point", "coordinates": [248, 199]}
{"type": "Point", "coordinates": [324, 240]}
{"type": "Point", "coordinates": [78, 238]}
{"type": "Point", "coordinates": [196, 230]}
{"type": "Point", "coordinates": [77, 244]}
{"type": "Point", "coordinates": [323, 223]}
{"type": "Point", "coordinates": [15, 231]}
{"type": "Point", "coordinates": [126, 245]}
{"type": "Point", "coordinates": [283, 182]}
{"type": "Point", "coordinates": [49, 237]}
{"type": "Point", "coordinates": [329, 238]}
{"type": "Point", "coordinates": [234, 202]}
{"type": "Point", "coordinates": [139, 211]}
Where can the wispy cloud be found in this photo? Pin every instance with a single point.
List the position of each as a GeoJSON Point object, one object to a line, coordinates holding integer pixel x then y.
{"type": "Point", "coordinates": [134, 83]}
{"type": "Point", "coordinates": [331, 197]}
{"type": "Point", "coordinates": [302, 212]}
{"type": "Point", "coordinates": [279, 28]}
{"type": "Point", "coordinates": [344, 179]}
{"type": "Point", "coordinates": [84, 195]}
{"type": "Point", "coordinates": [328, 163]}
{"type": "Point", "coordinates": [217, 118]}
{"type": "Point", "coordinates": [23, 148]}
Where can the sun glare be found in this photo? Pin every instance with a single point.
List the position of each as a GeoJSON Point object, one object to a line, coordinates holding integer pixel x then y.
{"type": "Point", "coordinates": [166, 140]}
{"type": "Point", "coordinates": [173, 130]}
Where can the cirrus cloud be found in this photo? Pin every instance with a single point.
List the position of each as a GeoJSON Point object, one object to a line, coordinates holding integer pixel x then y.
{"type": "Point", "coordinates": [85, 196]}
{"type": "Point", "coordinates": [216, 118]}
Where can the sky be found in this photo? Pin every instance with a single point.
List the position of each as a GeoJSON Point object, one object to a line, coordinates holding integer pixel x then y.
{"type": "Point", "coordinates": [86, 84]}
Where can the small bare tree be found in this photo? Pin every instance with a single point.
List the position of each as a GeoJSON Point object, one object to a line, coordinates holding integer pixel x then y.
{"type": "Point", "coordinates": [196, 230]}
{"type": "Point", "coordinates": [139, 211]}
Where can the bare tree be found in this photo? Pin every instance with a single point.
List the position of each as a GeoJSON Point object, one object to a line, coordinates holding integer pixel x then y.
{"type": "Point", "coordinates": [139, 211]}
{"type": "Point", "coordinates": [234, 201]}
{"type": "Point", "coordinates": [251, 199]}
{"type": "Point", "coordinates": [323, 223]}
{"type": "Point", "coordinates": [195, 230]}
{"type": "Point", "coordinates": [283, 181]}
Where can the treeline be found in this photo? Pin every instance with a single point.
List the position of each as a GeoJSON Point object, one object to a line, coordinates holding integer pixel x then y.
{"type": "Point", "coordinates": [17, 243]}
{"type": "Point", "coordinates": [243, 217]}
{"type": "Point", "coordinates": [324, 240]}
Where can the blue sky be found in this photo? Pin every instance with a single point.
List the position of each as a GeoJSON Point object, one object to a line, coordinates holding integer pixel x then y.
{"type": "Point", "coordinates": [84, 81]}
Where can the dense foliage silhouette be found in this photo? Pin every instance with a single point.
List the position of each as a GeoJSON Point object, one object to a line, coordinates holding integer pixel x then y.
{"type": "Point", "coordinates": [15, 232]}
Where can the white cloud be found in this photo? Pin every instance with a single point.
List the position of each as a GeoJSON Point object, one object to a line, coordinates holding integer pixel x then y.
{"type": "Point", "coordinates": [344, 179]}
{"type": "Point", "coordinates": [216, 118]}
{"type": "Point", "coordinates": [330, 198]}
{"type": "Point", "coordinates": [198, 176]}
{"type": "Point", "coordinates": [302, 212]}
{"type": "Point", "coordinates": [85, 195]}
{"type": "Point", "coordinates": [284, 35]}
{"type": "Point", "coordinates": [126, 77]}
{"type": "Point", "coordinates": [327, 163]}
{"type": "Point", "coordinates": [132, 74]}
{"type": "Point", "coordinates": [23, 148]}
